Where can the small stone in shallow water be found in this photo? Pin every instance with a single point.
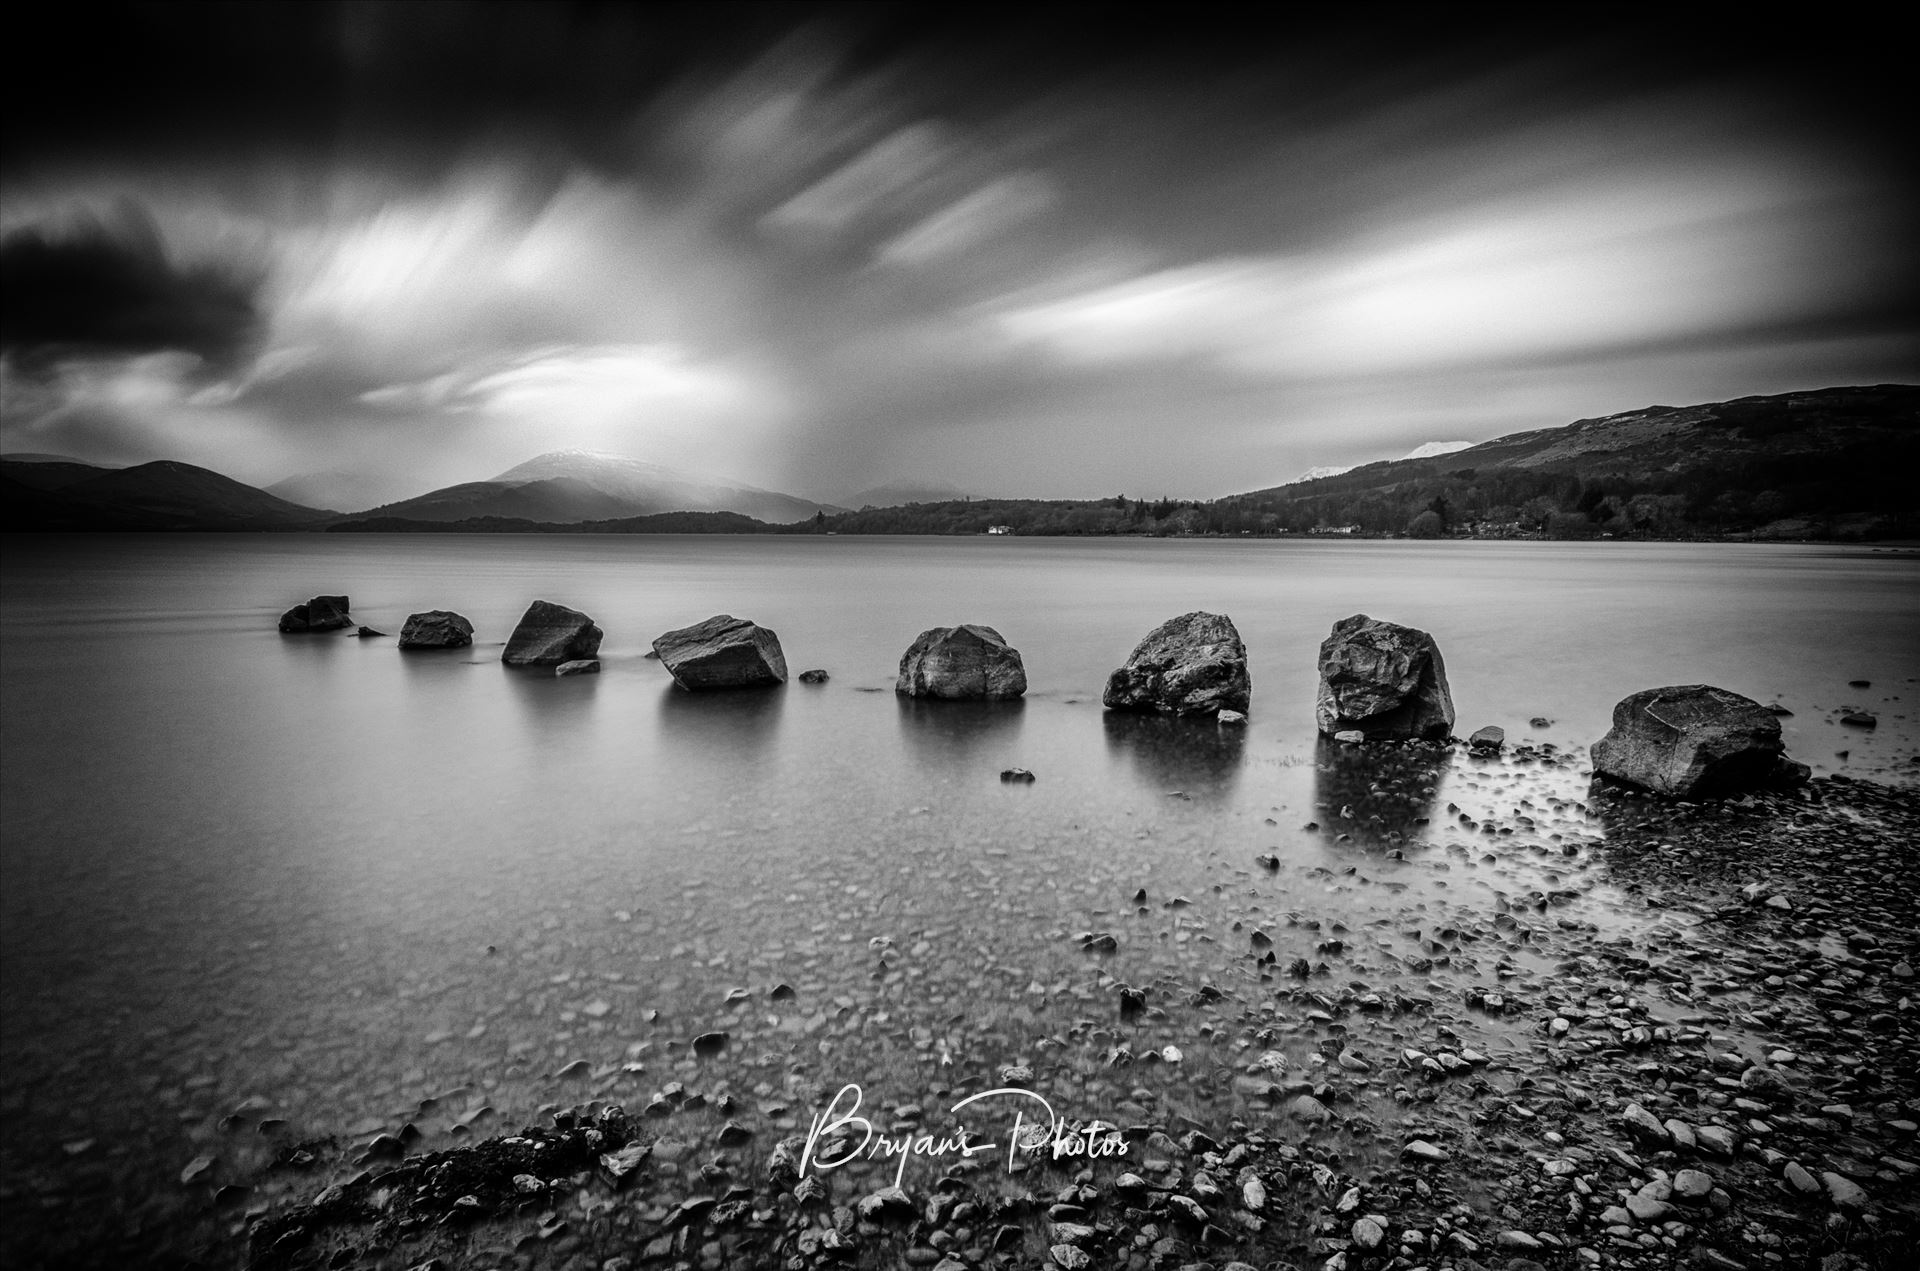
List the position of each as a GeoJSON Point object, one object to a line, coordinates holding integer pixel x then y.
{"type": "Point", "coordinates": [1018, 776]}
{"type": "Point", "coordinates": [815, 676]}
{"type": "Point", "coordinates": [579, 666]}
{"type": "Point", "coordinates": [710, 1043]}
{"type": "Point", "coordinates": [1489, 738]}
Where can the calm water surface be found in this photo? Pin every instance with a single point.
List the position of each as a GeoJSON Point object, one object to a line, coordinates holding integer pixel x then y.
{"type": "Point", "coordinates": [311, 879]}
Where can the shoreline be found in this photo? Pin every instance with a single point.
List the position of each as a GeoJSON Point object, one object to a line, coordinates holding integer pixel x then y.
{"type": "Point", "coordinates": [1777, 1035]}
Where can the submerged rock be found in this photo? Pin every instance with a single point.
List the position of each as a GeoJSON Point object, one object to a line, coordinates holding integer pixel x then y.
{"type": "Point", "coordinates": [722, 652]}
{"type": "Point", "coordinates": [368, 633]}
{"type": "Point", "coordinates": [549, 634]}
{"type": "Point", "coordinates": [1693, 739]}
{"type": "Point", "coordinates": [322, 613]}
{"type": "Point", "coordinates": [1191, 665]}
{"type": "Point", "coordinates": [969, 662]}
{"type": "Point", "coordinates": [1383, 680]}
{"type": "Point", "coordinates": [436, 629]}
{"type": "Point", "coordinates": [815, 676]}
{"type": "Point", "coordinates": [580, 666]}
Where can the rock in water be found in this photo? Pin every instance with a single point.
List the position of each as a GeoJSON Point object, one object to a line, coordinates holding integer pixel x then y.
{"type": "Point", "coordinates": [1190, 665]}
{"type": "Point", "coordinates": [584, 666]}
{"type": "Point", "coordinates": [968, 662]}
{"type": "Point", "coordinates": [436, 629]}
{"type": "Point", "coordinates": [322, 613]}
{"type": "Point", "coordinates": [550, 634]}
{"type": "Point", "coordinates": [1693, 739]}
{"type": "Point", "coordinates": [1383, 680]}
{"type": "Point", "coordinates": [815, 676]}
{"type": "Point", "coordinates": [722, 652]}
{"type": "Point", "coordinates": [1492, 737]}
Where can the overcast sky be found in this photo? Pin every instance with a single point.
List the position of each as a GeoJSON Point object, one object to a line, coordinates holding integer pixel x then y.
{"type": "Point", "coordinates": [816, 249]}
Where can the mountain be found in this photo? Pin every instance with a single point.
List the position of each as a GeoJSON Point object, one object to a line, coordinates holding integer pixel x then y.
{"type": "Point", "coordinates": [893, 494]}
{"type": "Point", "coordinates": [340, 489]}
{"type": "Point", "coordinates": [1830, 463]}
{"type": "Point", "coordinates": [163, 495]}
{"type": "Point", "coordinates": [1434, 449]}
{"type": "Point", "coordinates": [50, 472]}
{"type": "Point", "coordinates": [582, 485]}
{"type": "Point", "coordinates": [1428, 450]}
{"type": "Point", "coordinates": [31, 456]}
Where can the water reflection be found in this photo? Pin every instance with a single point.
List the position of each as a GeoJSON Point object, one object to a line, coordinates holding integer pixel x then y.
{"type": "Point", "coordinates": [727, 726]}
{"type": "Point", "coordinates": [938, 733]}
{"type": "Point", "coordinates": [1196, 757]}
{"type": "Point", "coordinates": [554, 708]}
{"type": "Point", "coordinates": [1380, 793]}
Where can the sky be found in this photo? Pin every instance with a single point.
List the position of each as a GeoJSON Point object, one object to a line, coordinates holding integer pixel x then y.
{"type": "Point", "coordinates": [1061, 251]}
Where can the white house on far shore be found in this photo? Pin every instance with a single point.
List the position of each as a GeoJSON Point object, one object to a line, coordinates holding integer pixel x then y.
{"type": "Point", "coordinates": [999, 529]}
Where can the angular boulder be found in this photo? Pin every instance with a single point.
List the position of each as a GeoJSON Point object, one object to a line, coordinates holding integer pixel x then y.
{"type": "Point", "coordinates": [1384, 681]}
{"type": "Point", "coordinates": [549, 634]}
{"type": "Point", "coordinates": [1190, 665]}
{"type": "Point", "coordinates": [969, 662]}
{"type": "Point", "coordinates": [722, 652]}
{"type": "Point", "coordinates": [322, 613]}
{"type": "Point", "coordinates": [436, 629]}
{"type": "Point", "coordinates": [1694, 740]}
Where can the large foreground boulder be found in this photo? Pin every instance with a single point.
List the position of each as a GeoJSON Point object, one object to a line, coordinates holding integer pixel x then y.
{"type": "Point", "coordinates": [322, 613]}
{"type": "Point", "coordinates": [549, 634]}
{"type": "Point", "coordinates": [968, 662]}
{"type": "Point", "coordinates": [722, 652]}
{"type": "Point", "coordinates": [1694, 740]}
{"type": "Point", "coordinates": [1190, 665]}
{"type": "Point", "coordinates": [1384, 681]}
{"type": "Point", "coordinates": [436, 629]}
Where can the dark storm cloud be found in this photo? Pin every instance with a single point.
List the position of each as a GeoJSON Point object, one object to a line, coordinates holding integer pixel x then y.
{"type": "Point", "coordinates": [107, 286]}
{"type": "Point", "coordinates": [823, 245]}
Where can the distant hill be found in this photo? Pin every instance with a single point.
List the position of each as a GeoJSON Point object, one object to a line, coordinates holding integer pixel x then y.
{"type": "Point", "coordinates": [583, 485]}
{"type": "Point", "coordinates": [898, 493]}
{"type": "Point", "coordinates": [1426, 450]}
{"type": "Point", "coordinates": [658, 523]}
{"type": "Point", "coordinates": [163, 495]}
{"type": "Point", "coordinates": [343, 489]}
{"type": "Point", "coordinates": [1831, 463]}
{"type": "Point", "coordinates": [50, 472]}
{"type": "Point", "coordinates": [32, 456]}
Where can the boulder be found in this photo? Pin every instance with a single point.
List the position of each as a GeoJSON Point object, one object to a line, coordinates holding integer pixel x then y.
{"type": "Point", "coordinates": [815, 676]}
{"type": "Point", "coordinates": [1492, 737]}
{"type": "Point", "coordinates": [436, 629]}
{"type": "Point", "coordinates": [1693, 740]}
{"type": "Point", "coordinates": [968, 662]}
{"type": "Point", "coordinates": [1190, 665]}
{"type": "Point", "coordinates": [368, 633]}
{"type": "Point", "coordinates": [322, 613]}
{"type": "Point", "coordinates": [549, 634]}
{"type": "Point", "coordinates": [722, 652]}
{"type": "Point", "coordinates": [584, 666]}
{"type": "Point", "coordinates": [1383, 680]}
